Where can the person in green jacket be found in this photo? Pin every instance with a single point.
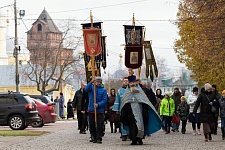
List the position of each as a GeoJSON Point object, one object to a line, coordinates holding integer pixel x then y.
{"type": "Point", "coordinates": [167, 109]}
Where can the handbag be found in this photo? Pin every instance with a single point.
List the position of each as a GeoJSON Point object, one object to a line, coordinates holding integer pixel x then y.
{"type": "Point", "coordinates": [175, 119]}
{"type": "Point", "coordinates": [213, 109]}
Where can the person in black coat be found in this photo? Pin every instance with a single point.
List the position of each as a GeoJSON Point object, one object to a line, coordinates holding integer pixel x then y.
{"type": "Point", "coordinates": [206, 100]}
{"type": "Point", "coordinates": [70, 113]}
{"type": "Point", "coordinates": [218, 96]}
{"type": "Point", "coordinates": [84, 111]}
{"type": "Point", "coordinates": [149, 93]}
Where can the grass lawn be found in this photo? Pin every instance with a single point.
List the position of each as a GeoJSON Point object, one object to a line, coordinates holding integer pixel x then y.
{"type": "Point", "coordinates": [21, 133]}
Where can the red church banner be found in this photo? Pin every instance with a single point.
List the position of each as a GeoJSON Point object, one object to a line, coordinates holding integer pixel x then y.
{"type": "Point", "coordinates": [92, 41]}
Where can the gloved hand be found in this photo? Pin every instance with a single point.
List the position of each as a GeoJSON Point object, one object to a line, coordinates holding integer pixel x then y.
{"type": "Point", "coordinates": [211, 103]}
{"type": "Point", "coordinates": [193, 115]}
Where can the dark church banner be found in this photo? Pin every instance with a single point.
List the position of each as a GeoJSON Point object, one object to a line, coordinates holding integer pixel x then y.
{"type": "Point", "coordinates": [133, 46]}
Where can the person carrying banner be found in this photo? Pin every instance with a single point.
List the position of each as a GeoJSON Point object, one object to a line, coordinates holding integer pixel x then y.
{"type": "Point", "coordinates": [101, 99]}
{"type": "Point", "coordinates": [138, 113]}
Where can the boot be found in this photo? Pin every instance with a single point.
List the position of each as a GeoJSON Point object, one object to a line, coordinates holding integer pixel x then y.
{"type": "Point", "coordinates": [198, 131]}
{"type": "Point", "coordinates": [206, 137]}
{"type": "Point", "coordinates": [115, 130]}
{"type": "Point", "coordinates": [168, 130]}
{"type": "Point", "coordinates": [210, 137]}
{"type": "Point", "coordinates": [111, 126]}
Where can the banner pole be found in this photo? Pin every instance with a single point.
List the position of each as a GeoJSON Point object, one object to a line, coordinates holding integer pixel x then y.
{"type": "Point", "coordinates": [93, 71]}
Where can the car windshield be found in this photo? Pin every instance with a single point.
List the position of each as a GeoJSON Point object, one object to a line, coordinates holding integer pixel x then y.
{"type": "Point", "coordinates": [48, 99]}
{"type": "Point", "coordinates": [28, 98]}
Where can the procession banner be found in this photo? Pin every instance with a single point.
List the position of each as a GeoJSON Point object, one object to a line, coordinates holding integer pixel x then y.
{"type": "Point", "coordinates": [133, 35]}
{"type": "Point", "coordinates": [92, 41]}
{"type": "Point", "coordinates": [133, 56]}
{"type": "Point", "coordinates": [150, 61]}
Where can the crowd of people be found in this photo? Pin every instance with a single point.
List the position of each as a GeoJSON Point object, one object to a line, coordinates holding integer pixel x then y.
{"type": "Point", "coordinates": [136, 111]}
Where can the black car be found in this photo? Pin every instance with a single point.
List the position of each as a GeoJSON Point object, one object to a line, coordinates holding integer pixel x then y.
{"type": "Point", "coordinates": [17, 110]}
{"type": "Point", "coordinates": [43, 98]}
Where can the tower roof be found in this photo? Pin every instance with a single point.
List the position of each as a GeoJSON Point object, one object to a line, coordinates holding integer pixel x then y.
{"type": "Point", "coordinates": [51, 27]}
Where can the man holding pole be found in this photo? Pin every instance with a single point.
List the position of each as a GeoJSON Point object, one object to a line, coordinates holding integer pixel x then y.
{"type": "Point", "coordinates": [96, 108]}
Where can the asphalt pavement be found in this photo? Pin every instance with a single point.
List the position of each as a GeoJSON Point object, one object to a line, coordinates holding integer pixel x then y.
{"type": "Point", "coordinates": [64, 135]}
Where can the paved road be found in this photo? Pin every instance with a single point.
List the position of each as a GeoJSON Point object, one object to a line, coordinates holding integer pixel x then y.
{"type": "Point", "coordinates": [64, 135]}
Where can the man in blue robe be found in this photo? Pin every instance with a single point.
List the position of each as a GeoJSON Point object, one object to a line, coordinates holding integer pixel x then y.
{"type": "Point", "coordinates": [138, 113]}
{"type": "Point", "coordinates": [116, 107]}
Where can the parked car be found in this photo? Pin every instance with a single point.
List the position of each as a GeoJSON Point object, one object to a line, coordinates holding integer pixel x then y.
{"type": "Point", "coordinates": [46, 113]}
{"type": "Point", "coordinates": [17, 110]}
{"type": "Point", "coordinates": [43, 98]}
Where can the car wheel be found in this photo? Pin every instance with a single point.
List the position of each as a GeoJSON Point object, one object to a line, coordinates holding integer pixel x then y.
{"type": "Point", "coordinates": [38, 123]}
{"type": "Point", "coordinates": [16, 122]}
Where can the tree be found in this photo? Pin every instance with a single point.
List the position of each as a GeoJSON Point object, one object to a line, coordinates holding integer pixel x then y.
{"type": "Point", "coordinates": [202, 39]}
{"type": "Point", "coordinates": [164, 71]}
{"type": "Point", "coordinates": [52, 57]}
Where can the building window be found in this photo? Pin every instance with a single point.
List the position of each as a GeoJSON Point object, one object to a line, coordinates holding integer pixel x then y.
{"type": "Point", "coordinates": [39, 27]}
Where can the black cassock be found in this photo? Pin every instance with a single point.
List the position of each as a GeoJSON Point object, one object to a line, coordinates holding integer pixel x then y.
{"type": "Point", "coordinates": [70, 113]}
{"type": "Point", "coordinates": [127, 118]}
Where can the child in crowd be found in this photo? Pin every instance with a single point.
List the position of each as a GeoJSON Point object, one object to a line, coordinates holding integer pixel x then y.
{"type": "Point", "coordinates": [183, 111]}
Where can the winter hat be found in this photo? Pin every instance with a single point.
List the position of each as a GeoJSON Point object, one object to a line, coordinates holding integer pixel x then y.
{"type": "Point", "coordinates": [195, 89]}
{"type": "Point", "coordinates": [98, 79]}
{"type": "Point", "coordinates": [176, 88]}
{"type": "Point", "coordinates": [167, 93]}
{"type": "Point", "coordinates": [208, 86]}
{"type": "Point", "coordinates": [223, 92]}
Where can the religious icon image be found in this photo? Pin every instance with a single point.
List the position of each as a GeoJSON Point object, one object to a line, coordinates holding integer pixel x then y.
{"type": "Point", "coordinates": [92, 39]}
{"type": "Point", "coordinates": [133, 57]}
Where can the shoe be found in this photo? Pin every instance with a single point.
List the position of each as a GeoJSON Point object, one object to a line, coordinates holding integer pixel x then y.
{"type": "Point", "coordinates": [210, 137]}
{"type": "Point", "coordinates": [194, 132]}
{"type": "Point", "coordinates": [223, 137]}
{"type": "Point", "coordinates": [124, 138]}
{"type": "Point", "coordinates": [177, 130]}
{"type": "Point", "coordinates": [90, 140]}
{"type": "Point", "coordinates": [82, 132]}
{"type": "Point", "coordinates": [140, 143]}
{"type": "Point", "coordinates": [198, 132]}
{"type": "Point", "coordinates": [206, 140]}
{"type": "Point", "coordinates": [115, 131]}
{"type": "Point", "coordinates": [133, 143]}
{"type": "Point", "coordinates": [94, 141]}
{"type": "Point", "coordinates": [99, 141]}
{"type": "Point", "coordinates": [173, 130]}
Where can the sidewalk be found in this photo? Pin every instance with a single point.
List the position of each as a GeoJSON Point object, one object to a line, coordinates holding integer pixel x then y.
{"type": "Point", "coordinates": [6, 141]}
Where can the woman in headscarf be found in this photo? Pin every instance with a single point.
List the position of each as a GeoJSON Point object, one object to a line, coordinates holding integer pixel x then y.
{"type": "Point", "coordinates": [113, 116]}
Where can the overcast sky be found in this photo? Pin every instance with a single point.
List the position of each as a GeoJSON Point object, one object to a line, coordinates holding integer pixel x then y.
{"type": "Point", "coordinates": [155, 15]}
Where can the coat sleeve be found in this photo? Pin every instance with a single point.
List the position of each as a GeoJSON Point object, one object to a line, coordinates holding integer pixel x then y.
{"type": "Point", "coordinates": [173, 106]}
{"type": "Point", "coordinates": [88, 88]}
{"type": "Point", "coordinates": [197, 103]}
{"type": "Point", "coordinates": [161, 107]}
{"type": "Point", "coordinates": [75, 100]}
{"type": "Point", "coordinates": [190, 101]}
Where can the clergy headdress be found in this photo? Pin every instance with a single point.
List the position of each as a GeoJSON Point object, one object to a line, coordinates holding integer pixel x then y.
{"type": "Point", "coordinates": [132, 78]}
